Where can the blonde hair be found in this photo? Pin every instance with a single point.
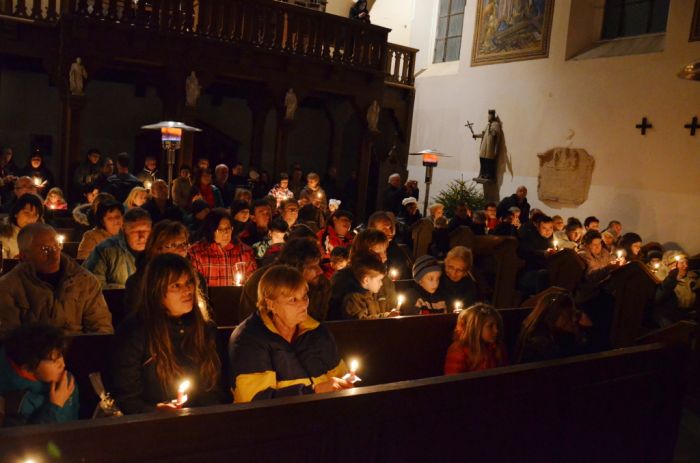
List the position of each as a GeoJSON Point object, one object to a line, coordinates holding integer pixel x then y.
{"type": "Point", "coordinates": [129, 202]}
{"type": "Point", "coordinates": [470, 324]}
{"type": "Point", "coordinates": [55, 191]}
{"type": "Point", "coordinates": [279, 280]}
{"type": "Point", "coordinates": [434, 207]}
{"type": "Point", "coordinates": [463, 253]}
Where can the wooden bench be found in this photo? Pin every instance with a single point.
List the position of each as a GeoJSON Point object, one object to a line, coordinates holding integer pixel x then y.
{"type": "Point", "coordinates": [566, 269]}
{"type": "Point", "coordinates": [633, 287]}
{"type": "Point", "coordinates": [622, 405]}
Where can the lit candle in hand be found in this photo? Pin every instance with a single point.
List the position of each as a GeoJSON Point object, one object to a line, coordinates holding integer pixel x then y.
{"type": "Point", "coordinates": [147, 185]}
{"type": "Point", "coordinates": [400, 299]}
{"type": "Point", "coordinates": [620, 253]}
{"type": "Point", "coordinates": [656, 266]}
{"type": "Point", "coordinates": [182, 393]}
{"type": "Point", "coordinates": [61, 239]}
{"type": "Point", "coordinates": [37, 181]}
{"type": "Point", "coordinates": [458, 306]}
{"type": "Point", "coordinates": [238, 279]}
{"type": "Point", "coordinates": [351, 377]}
{"type": "Point", "coordinates": [678, 259]}
{"type": "Point", "coordinates": [556, 244]}
{"type": "Point", "coordinates": [394, 274]}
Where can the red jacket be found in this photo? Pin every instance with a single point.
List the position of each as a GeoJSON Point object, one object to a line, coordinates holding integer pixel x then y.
{"type": "Point", "coordinates": [329, 240]}
{"type": "Point", "coordinates": [458, 359]}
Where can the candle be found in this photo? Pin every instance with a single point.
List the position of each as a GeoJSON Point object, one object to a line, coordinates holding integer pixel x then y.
{"type": "Point", "coordinates": [147, 185]}
{"type": "Point", "coordinates": [458, 306]}
{"type": "Point", "coordinates": [656, 266]}
{"type": "Point", "coordinates": [619, 253]}
{"type": "Point", "coordinates": [394, 274]}
{"type": "Point", "coordinates": [181, 393]}
{"type": "Point", "coordinates": [556, 244]}
{"type": "Point", "coordinates": [351, 377]}
{"type": "Point", "coordinates": [238, 278]}
{"type": "Point", "coordinates": [319, 195]}
{"type": "Point", "coordinates": [51, 206]}
{"type": "Point", "coordinates": [60, 239]}
{"type": "Point", "coordinates": [400, 300]}
{"type": "Point", "coordinates": [678, 258]}
{"type": "Point", "coordinates": [37, 181]}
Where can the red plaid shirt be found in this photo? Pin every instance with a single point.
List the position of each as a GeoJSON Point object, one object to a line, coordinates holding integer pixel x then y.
{"type": "Point", "coordinates": [217, 264]}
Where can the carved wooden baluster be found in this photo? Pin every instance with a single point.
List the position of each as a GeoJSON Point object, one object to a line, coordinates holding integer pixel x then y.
{"type": "Point", "coordinates": [36, 9]}
{"type": "Point", "coordinates": [397, 66]}
{"type": "Point", "coordinates": [411, 68]}
{"type": "Point", "coordinates": [326, 39]}
{"type": "Point", "coordinates": [97, 9]}
{"type": "Point", "coordinates": [203, 21]}
{"type": "Point", "coordinates": [51, 12]}
{"type": "Point", "coordinates": [314, 42]}
{"type": "Point", "coordinates": [235, 20]}
{"type": "Point", "coordinates": [290, 35]}
{"type": "Point", "coordinates": [187, 15]}
{"type": "Point", "coordinates": [279, 30]}
{"type": "Point", "coordinates": [112, 10]}
{"type": "Point", "coordinates": [226, 21]}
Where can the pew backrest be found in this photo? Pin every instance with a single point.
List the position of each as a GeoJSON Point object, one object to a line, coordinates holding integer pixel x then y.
{"type": "Point", "coordinates": [633, 287]}
{"type": "Point", "coordinates": [566, 269]}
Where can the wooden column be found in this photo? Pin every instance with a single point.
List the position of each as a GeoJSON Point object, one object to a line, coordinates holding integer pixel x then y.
{"type": "Point", "coordinates": [283, 127]}
{"type": "Point", "coordinates": [71, 111]}
{"type": "Point", "coordinates": [363, 174]}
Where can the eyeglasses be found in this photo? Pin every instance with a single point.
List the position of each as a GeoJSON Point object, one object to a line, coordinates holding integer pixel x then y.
{"type": "Point", "coordinates": [46, 250]}
{"type": "Point", "coordinates": [173, 246]}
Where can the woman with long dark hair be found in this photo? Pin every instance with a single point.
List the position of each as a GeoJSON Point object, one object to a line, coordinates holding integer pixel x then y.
{"type": "Point", "coordinates": [168, 341]}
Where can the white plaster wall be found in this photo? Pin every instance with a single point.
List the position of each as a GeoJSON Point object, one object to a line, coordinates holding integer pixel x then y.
{"type": "Point", "coordinates": [396, 15]}
{"type": "Point", "coordinates": [651, 183]}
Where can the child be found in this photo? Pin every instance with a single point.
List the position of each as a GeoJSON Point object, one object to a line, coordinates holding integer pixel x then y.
{"type": "Point", "coordinates": [338, 261]}
{"type": "Point", "coordinates": [266, 250]}
{"type": "Point", "coordinates": [478, 341]}
{"type": "Point", "coordinates": [337, 234]}
{"type": "Point", "coordinates": [425, 297]}
{"type": "Point", "coordinates": [55, 201]}
{"type": "Point", "coordinates": [361, 301]}
{"type": "Point", "coordinates": [281, 191]}
{"type": "Point", "coordinates": [33, 378]}
{"type": "Point", "coordinates": [333, 206]}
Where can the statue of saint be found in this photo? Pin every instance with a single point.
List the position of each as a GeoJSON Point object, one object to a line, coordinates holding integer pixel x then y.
{"type": "Point", "coordinates": [373, 116]}
{"type": "Point", "coordinates": [490, 145]}
{"type": "Point", "coordinates": [192, 90]}
{"type": "Point", "coordinates": [76, 77]}
{"type": "Point", "coordinates": [290, 104]}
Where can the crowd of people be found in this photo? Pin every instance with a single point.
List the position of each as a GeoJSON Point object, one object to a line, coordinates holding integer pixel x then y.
{"type": "Point", "coordinates": [301, 259]}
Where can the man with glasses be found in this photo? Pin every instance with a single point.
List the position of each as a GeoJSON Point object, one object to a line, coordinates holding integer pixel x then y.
{"type": "Point", "coordinates": [114, 259]}
{"type": "Point", "coordinates": [52, 288]}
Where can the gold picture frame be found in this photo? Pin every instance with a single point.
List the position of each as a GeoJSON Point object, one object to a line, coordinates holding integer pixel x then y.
{"type": "Point", "coordinates": [511, 30]}
{"type": "Point", "coordinates": [695, 25]}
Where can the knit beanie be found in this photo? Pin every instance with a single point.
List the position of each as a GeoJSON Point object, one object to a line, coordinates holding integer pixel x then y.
{"type": "Point", "coordinates": [425, 264]}
{"type": "Point", "coordinates": [237, 206]}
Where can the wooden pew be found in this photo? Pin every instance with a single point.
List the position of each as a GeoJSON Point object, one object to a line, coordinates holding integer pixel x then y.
{"type": "Point", "coordinates": [223, 301]}
{"type": "Point", "coordinates": [633, 287]}
{"type": "Point", "coordinates": [422, 236]}
{"type": "Point", "coordinates": [622, 405]}
{"type": "Point", "coordinates": [566, 269]}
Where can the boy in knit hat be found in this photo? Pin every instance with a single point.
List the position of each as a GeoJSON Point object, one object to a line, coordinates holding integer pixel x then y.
{"type": "Point", "coordinates": [425, 297]}
{"type": "Point", "coordinates": [361, 301]}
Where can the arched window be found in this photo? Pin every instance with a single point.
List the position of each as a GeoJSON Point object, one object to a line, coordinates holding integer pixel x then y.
{"type": "Point", "coordinates": [448, 38]}
{"type": "Point", "coordinates": [626, 18]}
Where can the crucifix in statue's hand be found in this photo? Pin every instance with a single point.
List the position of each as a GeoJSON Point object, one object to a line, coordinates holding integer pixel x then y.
{"type": "Point", "coordinates": [471, 128]}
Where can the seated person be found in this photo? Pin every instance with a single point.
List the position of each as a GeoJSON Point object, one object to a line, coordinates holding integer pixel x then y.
{"type": "Point", "coordinates": [591, 223]}
{"type": "Point", "coordinates": [114, 259]}
{"type": "Point", "coordinates": [535, 245]}
{"type": "Point", "coordinates": [34, 381]}
{"type": "Point", "coordinates": [109, 219]}
{"type": "Point", "coordinates": [52, 288]}
{"type": "Point", "coordinates": [159, 206]}
{"type": "Point", "coordinates": [478, 225]}
{"type": "Point", "coordinates": [240, 213]}
{"type": "Point", "coordinates": [84, 214]}
{"type": "Point", "coordinates": [436, 211]}
{"type": "Point", "coordinates": [631, 244]}
{"type": "Point", "coordinates": [425, 296]}
{"type": "Point", "coordinates": [599, 264]}
{"type": "Point", "coordinates": [279, 351]}
{"type": "Point", "coordinates": [457, 283]}
{"type": "Point", "coordinates": [554, 329]}
{"type": "Point", "coordinates": [304, 255]}
{"type": "Point", "coordinates": [398, 259]}
{"type": "Point", "coordinates": [558, 222]}
{"type": "Point", "coordinates": [27, 209]}
{"type": "Point", "coordinates": [676, 297]}
{"type": "Point", "coordinates": [491, 219]}
{"type": "Point", "coordinates": [409, 213]}
{"type": "Point", "coordinates": [203, 188]}
{"type": "Point", "coordinates": [440, 244]}
{"type": "Point", "coordinates": [138, 196]}
{"type": "Point", "coordinates": [266, 250]}
{"type": "Point", "coordinates": [505, 227]}
{"type": "Point", "coordinates": [570, 237]}
{"type": "Point", "coordinates": [462, 218]}
{"type": "Point", "coordinates": [608, 241]}
{"type": "Point", "coordinates": [40, 174]}
{"type": "Point", "coordinates": [218, 251]}
{"type": "Point", "coordinates": [340, 259]}
{"type": "Point", "coordinates": [182, 188]}
{"type": "Point", "coordinates": [360, 301]}
{"type": "Point", "coordinates": [55, 201]}
{"type": "Point", "coordinates": [256, 229]}
{"type": "Point", "coordinates": [337, 233]}
{"type": "Point", "coordinates": [368, 241]}
{"type": "Point", "coordinates": [22, 186]}
{"type": "Point", "coordinates": [615, 228]}
{"type": "Point", "coordinates": [198, 212]}
{"type": "Point", "coordinates": [169, 339]}
{"type": "Point", "coordinates": [289, 210]}
{"type": "Point", "coordinates": [478, 341]}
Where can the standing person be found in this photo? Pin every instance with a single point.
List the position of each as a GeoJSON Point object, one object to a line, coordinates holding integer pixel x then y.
{"type": "Point", "coordinates": [519, 200]}
{"type": "Point", "coordinates": [114, 259]}
{"type": "Point", "coordinates": [149, 173]}
{"type": "Point", "coordinates": [226, 188]}
{"type": "Point", "coordinates": [491, 218]}
{"type": "Point", "coordinates": [238, 178]}
{"type": "Point", "coordinates": [395, 193]}
{"type": "Point", "coordinates": [8, 173]}
{"type": "Point", "coordinates": [279, 351]}
{"type": "Point", "coordinates": [121, 183]}
{"type": "Point", "coordinates": [217, 253]}
{"type": "Point", "coordinates": [32, 370]}
{"type": "Point", "coordinates": [313, 193]}
{"type": "Point", "coordinates": [40, 174]}
{"type": "Point", "coordinates": [167, 341]}
{"type": "Point", "coordinates": [182, 188]}
{"type": "Point", "coordinates": [202, 188]}
{"type": "Point", "coordinates": [289, 210]}
{"type": "Point", "coordinates": [257, 228]}
{"type": "Point", "coordinates": [478, 341]}
{"type": "Point", "coordinates": [88, 172]}
{"type": "Point", "coordinates": [296, 180]}
{"type": "Point", "coordinates": [106, 171]}
{"type": "Point", "coordinates": [281, 190]}
{"type": "Point", "coordinates": [359, 11]}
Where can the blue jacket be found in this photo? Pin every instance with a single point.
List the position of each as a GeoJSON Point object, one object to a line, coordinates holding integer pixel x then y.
{"type": "Point", "coordinates": [264, 365]}
{"type": "Point", "coordinates": [27, 401]}
{"type": "Point", "coordinates": [112, 262]}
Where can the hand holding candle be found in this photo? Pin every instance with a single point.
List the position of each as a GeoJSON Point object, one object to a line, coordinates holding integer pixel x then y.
{"type": "Point", "coordinates": [61, 239]}
{"type": "Point", "coordinates": [351, 377]}
{"type": "Point", "coordinates": [458, 306]}
{"type": "Point", "coordinates": [400, 299]}
{"type": "Point", "coordinates": [238, 279]}
{"type": "Point", "coordinates": [182, 393]}
{"type": "Point", "coordinates": [556, 244]}
{"type": "Point", "coordinates": [147, 185]}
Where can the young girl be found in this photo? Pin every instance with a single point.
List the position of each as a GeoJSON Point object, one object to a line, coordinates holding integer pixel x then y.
{"type": "Point", "coordinates": [55, 201]}
{"type": "Point", "coordinates": [478, 341]}
{"type": "Point", "coordinates": [137, 197]}
{"type": "Point", "coordinates": [168, 341]}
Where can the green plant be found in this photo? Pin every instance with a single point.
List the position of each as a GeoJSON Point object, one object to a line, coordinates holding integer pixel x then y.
{"type": "Point", "coordinates": [458, 191]}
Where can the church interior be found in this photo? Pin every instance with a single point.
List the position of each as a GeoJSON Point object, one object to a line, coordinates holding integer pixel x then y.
{"type": "Point", "coordinates": [349, 230]}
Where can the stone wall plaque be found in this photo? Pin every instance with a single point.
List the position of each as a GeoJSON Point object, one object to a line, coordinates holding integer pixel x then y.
{"type": "Point", "coordinates": [565, 176]}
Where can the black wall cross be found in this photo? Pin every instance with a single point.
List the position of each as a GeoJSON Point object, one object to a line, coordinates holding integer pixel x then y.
{"type": "Point", "coordinates": [693, 126]}
{"type": "Point", "coordinates": [644, 126]}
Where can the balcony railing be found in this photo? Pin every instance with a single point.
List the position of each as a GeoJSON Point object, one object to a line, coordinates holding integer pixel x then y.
{"type": "Point", "coordinates": [265, 24]}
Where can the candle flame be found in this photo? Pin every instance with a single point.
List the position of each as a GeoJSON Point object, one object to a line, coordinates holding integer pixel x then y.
{"type": "Point", "coordinates": [619, 253]}
{"type": "Point", "coordinates": [147, 185]}
{"type": "Point", "coordinates": [458, 305]}
{"type": "Point", "coordinates": [354, 365]}
{"type": "Point", "coordinates": [319, 195]}
{"type": "Point", "coordinates": [556, 243]}
{"type": "Point", "coordinates": [401, 299]}
{"type": "Point", "coordinates": [37, 181]}
{"type": "Point", "coordinates": [238, 278]}
{"type": "Point", "coordinates": [184, 386]}
{"type": "Point", "coordinates": [657, 265]}
{"type": "Point", "coordinates": [678, 258]}
{"type": "Point", "coordinates": [393, 273]}
{"type": "Point", "coordinates": [60, 238]}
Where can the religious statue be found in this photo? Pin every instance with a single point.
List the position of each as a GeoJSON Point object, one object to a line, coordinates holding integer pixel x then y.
{"type": "Point", "coordinates": [290, 104]}
{"type": "Point", "coordinates": [373, 116]}
{"type": "Point", "coordinates": [76, 77]}
{"type": "Point", "coordinates": [192, 90]}
{"type": "Point", "coordinates": [491, 138]}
